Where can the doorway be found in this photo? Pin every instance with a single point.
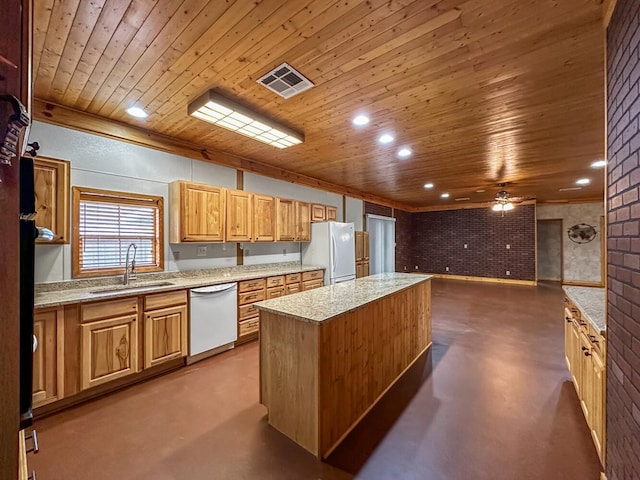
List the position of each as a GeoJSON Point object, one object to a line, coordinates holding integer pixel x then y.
{"type": "Point", "coordinates": [382, 243]}
{"type": "Point", "coordinates": [550, 261]}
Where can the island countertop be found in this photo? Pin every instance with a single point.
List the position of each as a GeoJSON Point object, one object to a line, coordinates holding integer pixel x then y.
{"type": "Point", "coordinates": [590, 301]}
{"type": "Point", "coordinates": [321, 304]}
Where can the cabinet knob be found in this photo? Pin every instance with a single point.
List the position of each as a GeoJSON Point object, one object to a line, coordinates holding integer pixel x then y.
{"type": "Point", "coordinates": [587, 354]}
{"type": "Point", "coordinates": [568, 319]}
{"type": "Point", "coordinates": [593, 338]}
{"type": "Point", "coordinates": [584, 348]}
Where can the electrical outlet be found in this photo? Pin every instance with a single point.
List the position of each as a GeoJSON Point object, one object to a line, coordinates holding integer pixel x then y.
{"type": "Point", "coordinates": [446, 269]}
{"type": "Point", "coordinates": [284, 252]}
{"type": "Point", "coordinates": [202, 251]}
{"type": "Point", "coordinates": [465, 245]}
{"type": "Point", "coordinates": [508, 247]}
{"type": "Point", "coordinates": [416, 267]}
{"type": "Point", "coordinates": [405, 268]}
{"type": "Point", "coordinates": [508, 272]}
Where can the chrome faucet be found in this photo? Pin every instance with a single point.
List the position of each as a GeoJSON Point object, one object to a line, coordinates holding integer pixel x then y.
{"type": "Point", "coordinates": [130, 275]}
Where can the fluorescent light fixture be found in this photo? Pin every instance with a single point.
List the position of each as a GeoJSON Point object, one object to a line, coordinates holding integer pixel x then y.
{"type": "Point", "coordinates": [462, 199]}
{"type": "Point", "coordinates": [569, 189]}
{"type": "Point", "coordinates": [360, 120]}
{"type": "Point", "coordinates": [599, 164]}
{"type": "Point", "coordinates": [214, 108]}
{"type": "Point", "coordinates": [428, 185]}
{"type": "Point", "coordinates": [404, 152]}
{"type": "Point", "coordinates": [386, 138]}
{"type": "Point", "coordinates": [583, 181]}
{"type": "Point", "coordinates": [445, 195]}
{"type": "Point", "coordinates": [480, 191]}
{"type": "Point", "coordinates": [137, 112]}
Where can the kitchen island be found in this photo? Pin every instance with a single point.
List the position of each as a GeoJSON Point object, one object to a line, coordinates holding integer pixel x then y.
{"type": "Point", "coordinates": [328, 355]}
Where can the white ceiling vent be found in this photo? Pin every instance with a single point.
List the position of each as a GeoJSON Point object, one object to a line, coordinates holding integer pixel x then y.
{"type": "Point", "coordinates": [286, 81]}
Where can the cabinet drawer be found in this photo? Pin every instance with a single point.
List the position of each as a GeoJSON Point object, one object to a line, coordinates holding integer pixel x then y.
{"type": "Point", "coordinates": [165, 299]}
{"type": "Point", "coordinates": [275, 281]}
{"type": "Point", "coordinates": [314, 275]}
{"type": "Point", "coordinates": [275, 292]}
{"type": "Point", "coordinates": [249, 285]}
{"type": "Point", "coordinates": [311, 284]}
{"type": "Point", "coordinates": [292, 278]}
{"type": "Point", "coordinates": [250, 297]}
{"type": "Point", "coordinates": [249, 326]}
{"type": "Point", "coordinates": [292, 288]}
{"type": "Point", "coordinates": [109, 309]}
{"type": "Point", "coordinates": [246, 312]}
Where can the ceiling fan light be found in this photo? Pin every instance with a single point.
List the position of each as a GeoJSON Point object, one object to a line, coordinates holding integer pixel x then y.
{"type": "Point", "coordinates": [497, 207]}
{"type": "Point", "coordinates": [507, 206]}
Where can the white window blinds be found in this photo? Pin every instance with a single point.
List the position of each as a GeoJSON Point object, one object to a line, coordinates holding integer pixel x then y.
{"type": "Point", "coordinates": [108, 222]}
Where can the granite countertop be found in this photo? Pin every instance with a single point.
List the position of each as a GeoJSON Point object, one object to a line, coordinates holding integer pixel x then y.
{"type": "Point", "coordinates": [321, 304]}
{"type": "Point", "coordinates": [591, 302]}
{"type": "Point", "coordinates": [90, 290]}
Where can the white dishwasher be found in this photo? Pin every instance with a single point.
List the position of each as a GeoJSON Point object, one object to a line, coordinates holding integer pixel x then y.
{"type": "Point", "coordinates": [213, 320]}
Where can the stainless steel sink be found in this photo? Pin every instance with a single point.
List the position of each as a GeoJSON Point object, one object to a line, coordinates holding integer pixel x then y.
{"type": "Point", "coordinates": [126, 288]}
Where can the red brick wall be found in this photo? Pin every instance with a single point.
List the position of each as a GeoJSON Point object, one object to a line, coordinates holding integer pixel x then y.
{"type": "Point", "coordinates": [439, 238]}
{"type": "Point", "coordinates": [623, 248]}
{"type": "Point", "coordinates": [375, 209]}
{"type": "Point", "coordinates": [404, 233]}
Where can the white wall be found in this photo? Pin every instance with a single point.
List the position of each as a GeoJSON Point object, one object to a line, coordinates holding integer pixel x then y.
{"type": "Point", "coordinates": [354, 212]}
{"type": "Point", "coordinates": [100, 162]}
{"type": "Point", "coordinates": [582, 262]}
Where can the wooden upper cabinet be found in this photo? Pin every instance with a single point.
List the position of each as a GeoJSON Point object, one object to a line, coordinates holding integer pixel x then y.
{"type": "Point", "coordinates": [51, 188]}
{"type": "Point", "coordinates": [318, 213]}
{"type": "Point", "coordinates": [286, 220]}
{"type": "Point", "coordinates": [331, 214]}
{"type": "Point", "coordinates": [239, 216]}
{"type": "Point", "coordinates": [264, 218]}
{"type": "Point", "coordinates": [303, 218]}
{"type": "Point", "coordinates": [197, 212]}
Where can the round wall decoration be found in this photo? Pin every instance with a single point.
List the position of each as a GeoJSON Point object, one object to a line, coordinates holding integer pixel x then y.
{"type": "Point", "coordinates": [582, 233]}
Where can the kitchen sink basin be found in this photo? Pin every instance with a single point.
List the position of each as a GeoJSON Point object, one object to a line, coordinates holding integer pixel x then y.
{"type": "Point", "coordinates": [127, 288]}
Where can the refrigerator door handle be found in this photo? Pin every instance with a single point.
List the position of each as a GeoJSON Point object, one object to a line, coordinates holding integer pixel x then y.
{"type": "Point", "coordinates": [335, 249]}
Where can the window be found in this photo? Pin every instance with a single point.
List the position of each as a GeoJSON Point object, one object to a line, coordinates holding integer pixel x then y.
{"type": "Point", "coordinates": [105, 224]}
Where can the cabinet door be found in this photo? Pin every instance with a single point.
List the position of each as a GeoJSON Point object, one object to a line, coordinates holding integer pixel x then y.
{"type": "Point", "coordinates": [264, 218]}
{"type": "Point", "coordinates": [318, 213]}
{"type": "Point", "coordinates": [359, 246]}
{"type": "Point", "coordinates": [286, 220]}
{"type": "Point", "coordinates": [331, 214]}
{"type": "Point", "coordinates": [48, 370]}
{"type": "Point", "coordinates": [576, 358]}
{"type": "Point", "coordinates": [165, 335]}
{"type": "Point", "coordinates": [568, 339]}
{"type": "Point", "coordinates": [597, 411]}
{"type": "Point", "coordinates": [51, 188]}
{"type": "Point", "coordinates": [202, 213]}
{"type": "Point", "coordinates": [239, 216]}
{"type": "Point", "coordinates": [586, 377]}
{"type": "Point", "coordinates": [109, 350]}
{"type": "Point", "coordinates": [365, 246]}
{"type": "Point", "coordinates": [292, 288]}
{"type": "Point", "coordinates": [359, 270]}
{"type": "Point", "coordinates": [303, 211]}
{"type": "Point", "coordinates": [365, 269]}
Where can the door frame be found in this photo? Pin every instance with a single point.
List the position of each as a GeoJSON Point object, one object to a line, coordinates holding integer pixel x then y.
{"type": "Point", "coordinates": [561, 245]}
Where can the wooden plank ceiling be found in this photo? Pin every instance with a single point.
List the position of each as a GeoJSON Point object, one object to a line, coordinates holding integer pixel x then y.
{"type": "Point", "coordinates": [483, 92]}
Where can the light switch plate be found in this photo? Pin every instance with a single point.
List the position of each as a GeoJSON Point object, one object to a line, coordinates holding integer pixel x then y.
{"type": "Point", "coordinates": [202, 251]}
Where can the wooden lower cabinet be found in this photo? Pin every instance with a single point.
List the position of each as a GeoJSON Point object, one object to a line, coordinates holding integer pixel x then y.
{"type": "Point", "coordinates": [585, 351]}
{"type": "Point", "coordinates": [165, 335]}
{"type": "Point", "coordinates": [109, 350]}
{"type": "Point", "coordinates": [48, 359]}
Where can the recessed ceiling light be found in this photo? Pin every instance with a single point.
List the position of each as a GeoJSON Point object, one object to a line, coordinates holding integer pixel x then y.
{"type": "Point", "coordinates": [462, 199]}
{"type": "Point", "coordinates": [583, 181]}
{"type": "Point", "coordinates": [599, 164]}
{"type": "Point", "coordinates": [386, 138]}
{"type": "Point", "coordinates": [137, 112]}
{"type": "Point", "coordinates": [445, 195]}
{"type": "Point", "coordinates": [569, 189]}
{"type": "Point", "coordinates": [428, 185]}
{"type": "Point", "coordinates": [404, 152]}
{"type": "Point", "coordinates": [360, 120]}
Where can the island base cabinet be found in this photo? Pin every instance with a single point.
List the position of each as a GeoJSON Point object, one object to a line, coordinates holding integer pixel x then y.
{"type": "Point", "coordinates": [318, 379]}
{"type": "Point", "coordinates": [165, 333]}
{"type": "Point", "coordinates": [109, 350]}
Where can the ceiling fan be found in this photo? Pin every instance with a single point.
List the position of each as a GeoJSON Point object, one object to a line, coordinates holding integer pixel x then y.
{"type": "Point", "coordinates": [504, 202]}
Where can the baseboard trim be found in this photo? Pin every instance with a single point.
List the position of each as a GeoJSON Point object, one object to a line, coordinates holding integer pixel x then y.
{"type": "Point", "coordinates": [573, 283]}
{"type": "Point", "coordinates": [531, 283]}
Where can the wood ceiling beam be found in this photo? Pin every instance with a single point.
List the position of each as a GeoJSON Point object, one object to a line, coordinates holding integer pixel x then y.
{"type": "Point", "coordinates": [63, 116]}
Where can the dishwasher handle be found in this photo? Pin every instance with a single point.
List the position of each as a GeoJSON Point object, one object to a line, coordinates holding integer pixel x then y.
{"type": "Point", "coordinates": [213, 289]}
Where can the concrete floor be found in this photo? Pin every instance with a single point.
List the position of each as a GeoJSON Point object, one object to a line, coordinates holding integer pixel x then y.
{"type": "Point", "coordinates": [491, 401]}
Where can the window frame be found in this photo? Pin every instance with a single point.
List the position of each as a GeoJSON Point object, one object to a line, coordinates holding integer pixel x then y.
{"type": "Point", "coordinates": [122, 198]}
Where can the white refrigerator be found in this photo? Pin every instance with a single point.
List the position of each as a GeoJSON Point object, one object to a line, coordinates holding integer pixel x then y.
{"type": "Point", "coordinates": [333, 246]}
